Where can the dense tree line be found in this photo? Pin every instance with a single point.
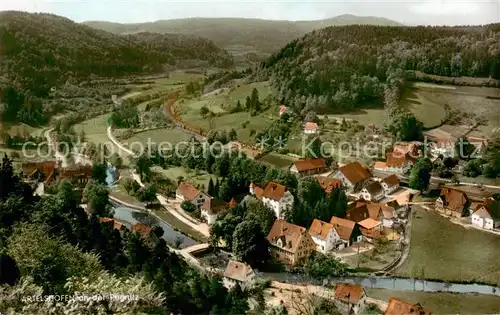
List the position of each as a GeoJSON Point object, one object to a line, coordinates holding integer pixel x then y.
{"type": "Point", "coordinates": [56, 248]}
{"type": "Point", "coordinates": [339, 69]}
{"type": "Point", "coordinates": [40, 51]}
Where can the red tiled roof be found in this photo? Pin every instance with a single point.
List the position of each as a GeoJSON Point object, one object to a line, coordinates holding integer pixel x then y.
{"type": "Point", "coordinates": [391, 180]}
{"type": "Point", "coordinates": [311, 126]}
{"type": "Point", "coordinates": [214, 205]}
{"type": "Point", "coordinates": [348, 293]}
{"type": "Point", "coordinates": [380, 165]}
{"type": "Point", "coordinates": [357, 214]}
{"type": "Point", "coordinates": [355, 172]}
{"type": "Point", "coordinates": [328, 183]}
{"type": "Point", "coordinates": [237, 270]}
{"type": "Point", "coordinates": [454, 200]}
{"type": "Point", "coordinates": [396, 159]}
{"type": "Point", "coordinates": [46, 168]}
{"type": "Point", "coordinates": [142, 229]}
{"type": "Point", "coordinates": [320, 228]}
{"type": "Point", "coordinates": [304, 165]}
{"type": "Point", "coordinates": [274, 191]}
{"type": "Point", "coordinates": [400, 307]}
{"type": "Point", "coordinates": [369, 223]}
{"type": "Point", "coordinates": [289, 234]}
{"type": "Point", "coordinates": [116, 224]}
{"type": "Point", "coordinates": [344, 227]}
{"type": "Point", "coordinates": [187, 190]}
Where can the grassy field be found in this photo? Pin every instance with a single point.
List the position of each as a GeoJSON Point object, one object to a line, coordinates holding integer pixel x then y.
{"type": "Point", "coordinates": [175, 79]}
{"type": "Point", "coordinates": [371, 259]}
{"type": "Point", "coordinates": [158, 136]}
{"type": "Point", "coordinates": [449, 252]}
{"type": "Point", "coordinates": [22, 129]}
{"type": "Point", "coordinates": [277, 160]}
{"type": "Point", "coordinates": [198, 177]}
{"type": "Point", "coordinates": [95, 128]}
{"type": "Point", "coordinates": [219, 101]}
{"type": "Point", "coordinates": [443, 302]}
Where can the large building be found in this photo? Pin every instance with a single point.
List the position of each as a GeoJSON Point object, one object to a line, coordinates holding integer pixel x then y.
{"type": "Point", "coordinates": [305, 167]}
{"type": "Point", "coordinates": [274, 196]}
{"type": "Point", "coordinates": [289, 243]}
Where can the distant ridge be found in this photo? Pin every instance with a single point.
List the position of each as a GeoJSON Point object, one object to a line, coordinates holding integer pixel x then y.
{"type": "Point", "coordinates": [241, 35]}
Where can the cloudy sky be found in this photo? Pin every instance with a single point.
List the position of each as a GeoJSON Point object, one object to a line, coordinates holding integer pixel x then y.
{"type": "Point", "coordinates": [435, 12]}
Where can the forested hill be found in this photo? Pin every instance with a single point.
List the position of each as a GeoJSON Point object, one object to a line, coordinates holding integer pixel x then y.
{"type": "Point", "coordinates": [41, 50]}
{"type": "Point", "coordinates": [340, 68]}
{"type": "Point", "coordinates": [239, 34]}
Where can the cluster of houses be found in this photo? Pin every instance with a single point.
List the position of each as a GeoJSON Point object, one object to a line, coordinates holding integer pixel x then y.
{"type": "Point", "coordinates": [484, 211]}
{"type": "Point", "coordinates": [349, 298]}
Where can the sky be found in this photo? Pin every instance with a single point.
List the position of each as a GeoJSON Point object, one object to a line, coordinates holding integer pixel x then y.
{"type": "Point", "coordinates": [423, 12]}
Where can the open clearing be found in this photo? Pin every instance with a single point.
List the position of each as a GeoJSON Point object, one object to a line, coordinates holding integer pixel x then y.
{"type": "Point", "coordinates": [449, 252]}
{"type": "Point", "coordinates": [22, 129]}
{"type": "Point", "coordinates": [198, 177]}
{"type": "Point", "coordinates": [157, 136]}
{"type": "Point", "coordinates": [443, 302]}
{"type": "Point", "coordinates": [220, 102]}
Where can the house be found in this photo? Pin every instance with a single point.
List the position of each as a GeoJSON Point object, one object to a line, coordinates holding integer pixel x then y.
{"type": "Point", "coordinates": [325, 236]}
{"type": "Point", "coordinates": [352, 176]}
{"type": "Point", "coordinates": [390, 184]}
{"type": "Point", "coordinates": [283, 110]}
{"type": "Point", "coordinates": [349, 298]}
{"type": "Point", "coordinates": [143, 230]}
{"type": "Point", "coordinates": [311, 128]}
{"type": "Point", "coordinates": [348, 231]}
{"type": "Point", "coordinates": [289, 243]}
{"type": "Point", "coordinates": [81, 174]}
{"type": "Point", "coordinates": [382, 213]}
{"type": "Point", "coordinates": [211, 208]}
{"type": "Point", "coordinates": [452, 202]}
{"type": "Point", "coordinates": [373, 191]}
{"type": "Point", "coordinates": [40, 171]}
{"type": "Point", "coordinates": [274, 196]}
{"type": "Point", "coordinates": [187, 192]}
{"type": "Point", "coordinates": [370, 229]}
{"type": "Point", "coordinates": [305, 167]}
{"type": "Point", "coordinates": [396, 162]}
{"type": "Point", "coordinates": [117, 225]}
{"type": "Point", "coordinates": [487, 215]}
{"type": "Point", "coordinates": [328, 183]}
{"type": "Point", "coordinates": [358, 212]}
{"type": "Point", "coordinates": [238, 273]}
{"type": "Point", "coordinates": [411, 148]}
{"type": "Point", "coordinates": [400, 307]}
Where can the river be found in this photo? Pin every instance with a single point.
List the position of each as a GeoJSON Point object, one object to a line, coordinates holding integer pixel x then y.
{"type": "Point", "coordinates": [389, 283]}
{"type": "Point", "coordinates": [130, 217]}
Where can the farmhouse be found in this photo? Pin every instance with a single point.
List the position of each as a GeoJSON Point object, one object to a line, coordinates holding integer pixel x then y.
{"type": "Point", "coordinates": [487, 215]}
{"type": "Point", "coordinates": [452, 202]}
{"type": "Point", "coordinates": [275, 196]}
{"type": "Point", "coordinates": [348, 231]}
{"type": "Point", "coordinates": [328, 183]}
{"type": "Point", "coordinates": [370, 229]}
{"type": "Point", "coordinates": [238, 273]}
{"type": "Point", "coordinates": [289, 243]}
{"type": "Point", "coordinates": [373, 191]}
{"type": "Point", "coordinates": [352, 176]}
{"type": "Point", "coordinates": [305, 167]}
{"type": "Point", "coordinates": [400, 307]}
{"type": "Point", "coordinates": [349, 298]}
{"type": "Point", "coordinates": [187, 192]}
{"type": "Point", "coordinates": [325, 236]}
{"type": "Point", "coordinates": [396, 162]}
{"type": "Point", "coordinates": [390, 184]}
{"type": "Point", "coordinates": [311, 128]}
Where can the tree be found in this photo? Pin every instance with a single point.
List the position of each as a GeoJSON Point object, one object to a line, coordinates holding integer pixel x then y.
{"type": "Point", "coordinates": [225, 190]}
{"type": "Point", "coordinates": [188, 206]}
{"type": "Point", "coordinates": [249, 243]}
{"type": "Point", "coordinates": [464, 149]}
{"type": "Point", "coordinates": [248, 103]}
{"type": "Point", "coordinates": [97, 199]}
{"type": "Point", "coordinates": [405, 126]}
{"type": "Point", "coordinates": [311, 116]}
{"type": "Point", "coordinates": [116, 160]}
{"type": "Point", "coordinates": [211, 187]}
{"type": "Point", "coordinates": [312, 149]}
{"type": "Point", "coordinates": [420, 174]}
{"type": "Point", "coordinates": [204, 111]}
{"type": "Point", "coordinates": [473, 168]}
{"type": "Point", "coordinates": [320, 266]}
{"type": "Point", "coordinates": [147, 195]}
{"type": "Point", "coordinates": [9, 271]}
{"type": "Point", "coordinates": [256, 210]}
{"type": "Point", "coordinates": [232, 135]}
{"type": "Point", "coordinates": [99, 173]}
{"type": "Point", "coordinates": [450, 162]}
{"type": "Point", "coordinates": [142, 166]}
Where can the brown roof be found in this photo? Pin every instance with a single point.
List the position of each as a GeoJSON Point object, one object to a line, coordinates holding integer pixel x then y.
{"type": "Point", "coordinates": [232, 203]}
{"type": "Point", "coordinates": [343, 227]}
{"type": "Point", "coordinates": [237, 270]}
{"type": "Point", "coordinates": [380, 165]}
{"type": "Point", "coordinates": [359, 213]}
{"type": "Point", "coordinates": [375, 209]}
{"type": "Point", "coordinates": [391, 180]}
{"type": "Point", "coordinates": [304, 165]}
{"type": "Point", "coordinates": [355, 172]}
{"type": "Point", "coordinates": [399, 307]}
{"type": "Point", "coordinates": [311, 126]}
{"type": "Point", "coordinates": [374, 188]}
{"type": "Point", "coordinates": [397, 159]}
{"type": "Point", "coordinates": [407, 147]}
{"type": "Point", "coordinates": [76, 171]}
{"type": "Point", "coordinates": [274, 191]}
{"type": "Point", "coordinates": [289, 234]}
{"type": "Point", "coordinates": [116, 224]}
{"type": "Point", "coordinates": [348, 293]}
{"type": "Point", "coordinates": [454, 200]}
{"type": "Point", "coordinates": [142, 229]}
{"type": "Point", "coordinates": [46, 168]}
{"type": "Point", "coordinates": [328, 183]}
{"type": "Point", "coordinates": [320, 228]}
{"type": "Point", "coordinates": [259, 192]}
{"type": "Point", "coordinates": [187, 190]}
{"type": "Point", "coordinates": [369, 223]}
{"type": "Point", "coordinates": [214, 205]}
{"type": "Point", "coordinates": [490, 209]}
